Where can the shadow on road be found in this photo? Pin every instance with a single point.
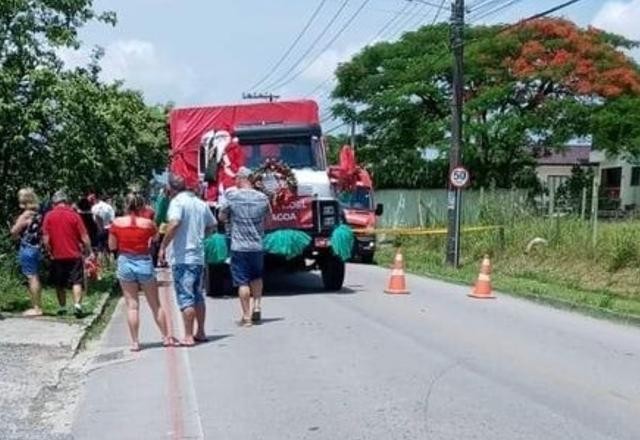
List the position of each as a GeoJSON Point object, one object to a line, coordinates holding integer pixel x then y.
{"type": "Point", "coordinates": [306, 283]}
{"type": "Point", "coordinates": [156, 345]}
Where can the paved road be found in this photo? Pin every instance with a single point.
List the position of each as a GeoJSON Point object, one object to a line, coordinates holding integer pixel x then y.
{"type": "Point", "coordinates": [364, 365]}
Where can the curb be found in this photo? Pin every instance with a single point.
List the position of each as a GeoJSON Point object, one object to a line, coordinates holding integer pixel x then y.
{"type": "Point", "coordinates": [90, 321]}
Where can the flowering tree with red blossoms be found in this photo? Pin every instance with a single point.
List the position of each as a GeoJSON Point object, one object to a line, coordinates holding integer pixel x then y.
{"type": "Point", "coordinates": [529, 88]}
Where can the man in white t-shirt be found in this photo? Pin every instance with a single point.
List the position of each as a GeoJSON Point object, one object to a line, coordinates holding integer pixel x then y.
{"type": "Point", "coordinates": [190, 220]}
{"type": "Point", "coordinates": [103, 214]}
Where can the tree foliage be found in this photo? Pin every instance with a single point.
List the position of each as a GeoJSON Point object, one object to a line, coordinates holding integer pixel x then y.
{"type": "Point", "coordinates": [63, 128]}
{"type": "Point", "coordinates": [528, 90]}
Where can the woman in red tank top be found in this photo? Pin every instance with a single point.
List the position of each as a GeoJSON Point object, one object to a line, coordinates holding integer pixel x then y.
{"type": "Point", "coordinates": [131, 237]}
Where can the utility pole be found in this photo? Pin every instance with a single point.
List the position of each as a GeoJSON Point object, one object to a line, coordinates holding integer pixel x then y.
{"type": "Point", "coordinates": [353, 134]}
{"type": "Point", "coordinates": [268, 96]}
{"type": "Point", "coordinates": [454, 203]}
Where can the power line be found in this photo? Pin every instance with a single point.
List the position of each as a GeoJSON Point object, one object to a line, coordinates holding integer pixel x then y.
{"type": "Point", "coordinates": [544, 13]}
{"type": "Point", "coordinates": [306, 27]}
{"type": "Point", "coordinates": [312, 46]}
{"type": "Point", "coordinates": [337, 127]}
{"type": "Point", "coordinates": [438, 11]}
{"type": "Point", "coordinates": [494, 11]}
{"type": "Point", "coordinates": [327, 46]}
{"type": "Point", "coordinates": [398, 14]}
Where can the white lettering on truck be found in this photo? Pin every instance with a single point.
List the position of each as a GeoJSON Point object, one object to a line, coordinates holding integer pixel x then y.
{"type": "Point", "coordinates": [285, 217]}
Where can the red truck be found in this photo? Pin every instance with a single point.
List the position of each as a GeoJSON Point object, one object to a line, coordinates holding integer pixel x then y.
{"type": "Point", "coordinates": [288, 132]}
{"type": "Point", "coordinates": [353, 187]}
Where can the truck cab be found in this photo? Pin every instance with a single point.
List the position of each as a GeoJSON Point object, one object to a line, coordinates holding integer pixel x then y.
{"type": "Point", "coordinates": [314, 209]}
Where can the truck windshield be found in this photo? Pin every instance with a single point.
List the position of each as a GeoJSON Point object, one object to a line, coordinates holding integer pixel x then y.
{"type": "Point", "coordinates": [359, 198]}
{"type": "Point", "coordinates": [296, 154]}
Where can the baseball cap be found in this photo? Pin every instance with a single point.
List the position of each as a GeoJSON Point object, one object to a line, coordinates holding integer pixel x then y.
{"type": "Point", "coordinates": [244, 173]}
{"type": "Point", "coordinates": [59, 196]}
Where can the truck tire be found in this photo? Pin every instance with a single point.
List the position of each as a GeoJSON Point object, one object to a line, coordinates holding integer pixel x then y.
{"type": "Point", "coordinates": [333, 269]}
{"type": "Point", "coordinates": [367, 258]}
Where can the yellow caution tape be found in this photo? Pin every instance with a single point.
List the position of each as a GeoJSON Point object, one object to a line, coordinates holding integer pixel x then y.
{"type": "Point", "coordinates": [421, 231]}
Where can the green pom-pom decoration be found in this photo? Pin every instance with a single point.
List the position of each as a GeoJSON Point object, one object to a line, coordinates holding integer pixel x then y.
{"type": "Point", "coordinates": [287, 243]}
{"type": "Point", "coordinates": [342, 239]}
{"type": "Point", "coordinates": [215, 249]}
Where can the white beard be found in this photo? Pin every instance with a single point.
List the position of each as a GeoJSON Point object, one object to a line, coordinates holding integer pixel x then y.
{"type": "Point", "coordinates": [221, 141]}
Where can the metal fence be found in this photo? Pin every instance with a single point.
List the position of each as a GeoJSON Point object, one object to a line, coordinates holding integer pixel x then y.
{"type": "Point", "coordinates": [428, 208]}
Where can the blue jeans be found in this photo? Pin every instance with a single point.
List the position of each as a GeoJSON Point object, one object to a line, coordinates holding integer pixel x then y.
{"type": "Point", "coordinates": [135, 268]}
{"type": "Point", "coordinates": [187, 280]}
{"type": "Point", "coordinates": [29, 258]}
{"type": "Point", "coordinates": [246, 267]}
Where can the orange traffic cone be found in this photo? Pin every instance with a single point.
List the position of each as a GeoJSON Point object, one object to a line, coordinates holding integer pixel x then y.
{"type": "Point", "coordinates": [397, 282]}
{"type": "Point", "coordinates": [482, 289]}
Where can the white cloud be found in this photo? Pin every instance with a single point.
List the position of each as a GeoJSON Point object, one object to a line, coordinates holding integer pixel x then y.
{"type": "Point", "coordinates": [139, 64]}
{"type": "Point", "coordinates": [620, 17]}
{"type": "Point", "coordinates": [325, 66]}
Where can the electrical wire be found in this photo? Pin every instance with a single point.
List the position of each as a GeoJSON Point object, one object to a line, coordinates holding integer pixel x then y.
{"type": "Point", "coordinates": [315, 42]}
{"type": "Point", "coordinates": [398, 14]}
{"type": "Point", "coordinates": [438, 11]}
{"type": "Point", "coordinates": [493, 11]}
{"type": "Point", "coordinates": [292, 46]}
{"type": "Point", "coordinates": [326, 47]}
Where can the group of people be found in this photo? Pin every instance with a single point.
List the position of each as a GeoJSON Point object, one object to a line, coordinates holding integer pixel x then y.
{"type": "Point", "coordinates": [60, 232]}
{"type": "Point", "coordinates": [190, 220]}
{"type": "Point", "coordinates": [63, 233]}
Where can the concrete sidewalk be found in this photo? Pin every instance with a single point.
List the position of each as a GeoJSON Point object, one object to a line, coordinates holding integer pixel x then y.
{"type": "Point", "coordinates": [37, 378]}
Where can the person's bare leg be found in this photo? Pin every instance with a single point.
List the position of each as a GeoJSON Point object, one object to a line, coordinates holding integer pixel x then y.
{"type": "Point", "coordinates": [78, 293]}
{"type": "Point", "coordinates": [130, 292]}
{"type": "Point", "coordinates": [201, 312]}
{"type": "Point", "coordinates": [244, 292]}
{"type": "Point", "coordinates": [35, 290]}
{"type": "Point", "coordinates": [150, 290]}
{"type": "Point", "coordinates": [62, 297]}
{"type": "Point", "coordinates": [188, 316]}
{"type": "Point", "coordinates": [256, 292]}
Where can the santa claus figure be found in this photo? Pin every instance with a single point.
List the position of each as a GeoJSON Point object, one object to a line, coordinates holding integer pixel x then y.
{"type": "Point", "coordinates": [225, 158]}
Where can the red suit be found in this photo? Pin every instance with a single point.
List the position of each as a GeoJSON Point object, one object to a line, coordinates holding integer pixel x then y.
{"type": "Point", "coordinates": [229, 158]}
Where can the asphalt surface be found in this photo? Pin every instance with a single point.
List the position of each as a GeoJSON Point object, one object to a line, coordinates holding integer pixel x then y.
{"type": "Point", "coordinates": [360, 364]}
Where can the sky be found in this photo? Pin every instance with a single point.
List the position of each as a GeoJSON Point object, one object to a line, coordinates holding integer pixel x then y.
{"type": "Point", "coordinates": [198, 52]}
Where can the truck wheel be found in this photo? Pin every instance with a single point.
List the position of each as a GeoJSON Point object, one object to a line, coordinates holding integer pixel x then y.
{"type": "Point", "coordinates": [367, 258]}
{"type": "Point", "coordinates": [332, 273]}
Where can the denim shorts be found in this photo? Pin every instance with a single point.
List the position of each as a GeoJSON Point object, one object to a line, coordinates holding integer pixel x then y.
{"type": "Point", "coordinates": [29, 258]}
{"type": "Point", "coordinates": [187, 280]}
{"type": "Point", "coordinates": [136, 268]}
{"type": "Point", "coordinates": [246, 267]}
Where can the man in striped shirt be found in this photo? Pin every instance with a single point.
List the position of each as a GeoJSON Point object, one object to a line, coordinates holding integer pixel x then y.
{"type": "Point", "coordinates": [246, 209]}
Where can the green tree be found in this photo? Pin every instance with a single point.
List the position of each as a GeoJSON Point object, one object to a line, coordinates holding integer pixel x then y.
{"type": "Point", "coordinates": [528, 89]}
{"type": "Point", "coordinates": [61, 128]}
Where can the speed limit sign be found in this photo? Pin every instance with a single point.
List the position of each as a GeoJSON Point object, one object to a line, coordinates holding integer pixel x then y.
{"type": "Point", "coordinates": [459, 177]}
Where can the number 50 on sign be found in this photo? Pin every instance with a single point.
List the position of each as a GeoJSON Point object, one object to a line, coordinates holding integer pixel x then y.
{"type": "Point", "coordinates": [459, 177]}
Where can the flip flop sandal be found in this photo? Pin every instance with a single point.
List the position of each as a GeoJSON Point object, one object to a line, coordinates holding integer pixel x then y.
{"type": "Point", "coordinates": [245, 323]}
{"type": "Point", "coordinates": [170, 342]}
{"type": "Point", "coordinates": [184, 344]}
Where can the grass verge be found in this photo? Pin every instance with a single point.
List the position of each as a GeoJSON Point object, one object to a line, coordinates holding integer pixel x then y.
{"type": "Point", "coordinates": [15, 300]}
{"type": "Point", "coordinates": [568, 272]}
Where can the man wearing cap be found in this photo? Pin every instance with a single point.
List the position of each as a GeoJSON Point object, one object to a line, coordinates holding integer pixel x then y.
{"type": "Point", "coordinates": [65, 237]}
{"type": "Point", "coordinates": [246, 209]}
{"type": "Point", "coordinates": [189, 221]}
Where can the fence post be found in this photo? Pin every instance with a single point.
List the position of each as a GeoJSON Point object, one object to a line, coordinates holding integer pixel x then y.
{"type": "Point", "coordinates": [501, 238]}
{"type": "Point", "coordinates": [594, 209]}
{"type": "Point", "coordinates": [583, 206]}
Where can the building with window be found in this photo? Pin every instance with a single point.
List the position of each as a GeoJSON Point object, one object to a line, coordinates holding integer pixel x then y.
{"type": "Point", "coordinates": [619, 179]}
{"type": "Point", "coordinates": [554, 169]}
